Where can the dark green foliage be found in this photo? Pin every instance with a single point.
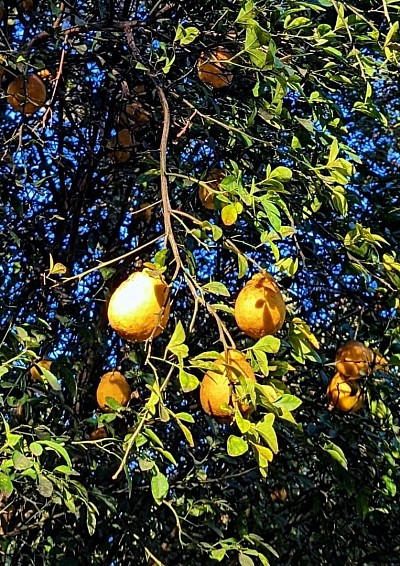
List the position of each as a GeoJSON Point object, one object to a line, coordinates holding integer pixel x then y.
{"type": "Point", "coordinates": [307, 136]}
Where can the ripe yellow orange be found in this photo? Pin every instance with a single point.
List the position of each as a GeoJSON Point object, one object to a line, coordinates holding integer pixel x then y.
{"type": "Point", "coordinates": [354, 360]}
{"type": "Point", "coordinates": [259, 308]}
{"type": "Point", "coordinates": [212, 68]}
{"type": "Point", "coordinates": [27, 94]}
{"type": "Point", "coordinates": [207, 196]}
{"type": "Point", "coordinates": [222, 387]}
{"type": "Point", "coordinates": [139, 308]}
{"type": "Point", "coordinates": [344, 395]}
{"type": "Point", "coordinates": [35, 370]}
{"type": "Point", "coordinates": [114, 385]}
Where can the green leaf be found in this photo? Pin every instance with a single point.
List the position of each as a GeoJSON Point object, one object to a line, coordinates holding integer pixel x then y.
{"type": "Point", "coordinates": [188, 381]}
{"type": "Point", "coordinates": [281, 173]}
{"type": "Point", "coordinates": [273, 214]}
{"type": "Point", "coordinates": [267, 392]}
{"type": "Point", "coordinates": [243, 424]}
{"type": "Point", "coordinates": [243, 265]}
{"type": "Point", "coordinates": [153, 437]}
{"type": "Point", "coordinates": [166, 455]}
{"type": "Point", "coordinates": [262, 361]}
{"type": "Point", "coordinates": [13, 439]}
{"type": "Point", "coordinates": [392, 32]}
{"type": "Point", "coordinates": [390, 486]}
{"type": "Point", "coordinates": [45, 487]}
{"type": "Point", "coordinates": [246, 13]}
{"type": "Point", "coordinates": [185, 36]}
{"type": "Point", "coordinates": [185, 417]}
{"type": "Point", "coordinates": [57, 448]}
{"type": "Point", "coordinates": [266, 430]}
{"type": "Point", "coordinates": [159, 487]}
{"type": "Point", "coordinates": [334, 151]}
{"type": "Point", "coordinates": [288, 402]}
{"type": "Point", "coordinates": [36, 448]}
{"type": "Point", "coordinates": [3, 370]}
{"type": "Point", "coordinates": [223, 308]}
{"type": "Point", "coordinates": [245, 560]}
{"type": "Point", "coordinates": [263, 559]}
{"type": "Point", "coordinates": [188, 435]}
{"type": "Point", "coordinates": [6, 486]}
{"type": "Point", "coordinates": [296, 23]}
{"type": "Point", "coordinates": [237, 445]}
{"type": "Point", "coordinates": [91, 520]}
{"type": "Point", "coordinates": [263, 455]}
{"type": "Point", "coordinates": [268, 344]}
{"type": "Point", "coordinates": [146, 465]}
{"type": "Point", "coordinates": [229, 214]}
{"type": "Point", "coordinates": [362, 503]}
{"type": "Point", "coordinates": [50, 378]}
{"type": "Point", "coordinates": [107, 272]}
{"type": "Point", "coordinates": [178, 337]}
{"type": "Point", "coordinates": [216, 288]}
{"type": "Point", "coordinates": [65, 470]}
{"type": "Point", "coordinates": [218, 554]}
{"type": "Point", "coordinates": [21, 462]}
{"type": "Point", "coordinates": [336, 453]}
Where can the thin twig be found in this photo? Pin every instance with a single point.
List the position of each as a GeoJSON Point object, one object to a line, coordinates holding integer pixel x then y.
{"type": "Point", "coordinates": [386, 11]}
{"type": "Point", "coordinates": [57, 79]}
{"type": "Point", "coordinates": [131, 441]}
{"type": "Point", "coordinates": [109, 262]}
{"type": "Point", "coordinates": [226, 126]}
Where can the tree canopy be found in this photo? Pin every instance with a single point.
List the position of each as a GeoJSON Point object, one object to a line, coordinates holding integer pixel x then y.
{"type": "Point", "coordinates": [200, 143]}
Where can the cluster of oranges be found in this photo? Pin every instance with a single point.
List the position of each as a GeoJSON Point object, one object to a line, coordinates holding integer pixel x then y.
{"type": "Point", "coordinates": [259, 311]}
{"type": "Point", "coordinates": [139, 310]}
{"type": "Point", "coordinates": [353, 362]}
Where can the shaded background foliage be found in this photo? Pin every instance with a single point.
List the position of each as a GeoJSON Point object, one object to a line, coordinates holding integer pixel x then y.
{"type": "Point", "coordinates": [315, 90]}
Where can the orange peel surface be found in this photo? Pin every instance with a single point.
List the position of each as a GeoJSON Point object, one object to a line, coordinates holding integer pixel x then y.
{"type": "Point", "coordinates": [217, 387]}
{"type": "Point", "coordinates": [114, 385]}
{"type": "Point", "coordinates": [259, 308]}
{"type": "Point", "coordinates": [139, 308]}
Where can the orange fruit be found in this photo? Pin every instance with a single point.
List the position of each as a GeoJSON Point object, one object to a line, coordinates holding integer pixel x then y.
{"type": "Point", "coordinates": [114, 385]}
{"type": "Point", "coordinates": [217, 387]}
{"type": "Point", "coordinates": [354, 360]}
{"type": "Point", "coordinates": [146, 212]}
{"type": "Point", "coordinates": [27, 94]}
{"type": "Point", "coordinates": [26, 5]}
{"type": "Point", "coordinates": [278, 494]}
{"type": "Point", "coordinates": [35, 370]}
{"type": "Point", "coordinates": [207, 196]}
{"type": "Point", "coordinates": [259, 308]}
{"type": "Point", "coordinates": [380, 363]}
{"type": "Point", "coordinates": [139, 308]}
{"type": "Point", "coordinates": [136, 112]}
{"type": "Point", "coordinates": [45, 75]}
{"type": "Point", "coordinates": [344, 395]}
{"type": "Point", "coordinates": [212, 68]}
{"type": "Point", "coordinates": [98, 433]}
{"type": "Point", "coordinates": [122, 146]}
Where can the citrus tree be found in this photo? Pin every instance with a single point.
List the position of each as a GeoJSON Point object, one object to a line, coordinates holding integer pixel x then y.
{"type": "Point", "coordinates": [200, 282]}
